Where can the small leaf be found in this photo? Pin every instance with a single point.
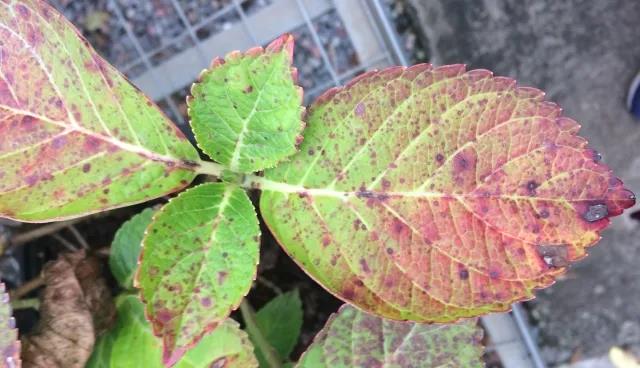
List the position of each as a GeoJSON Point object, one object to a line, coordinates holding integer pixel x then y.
{"type": "Point", "coordinates": [9, 345]}
{"type": "Point", "coordinates": [131, 344]}
{"type": "Point", "coordinates": [435, 194]}
{"type": "Point", "coordinates": [279, 322]}
{"type": "Point", "coordinates": [126, 247]}
{"type": "Point", "coordinates": [246, 109]}
{"type": "Point", "coordinates": [83, 139]}
{"type": "Point", "coordinates": [200, 256]}
{"type": "Point", "coordinates": [353, 338]}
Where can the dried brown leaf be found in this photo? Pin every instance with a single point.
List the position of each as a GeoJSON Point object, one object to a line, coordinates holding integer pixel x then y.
{"type": "Point", "coordinates": [76, 307]}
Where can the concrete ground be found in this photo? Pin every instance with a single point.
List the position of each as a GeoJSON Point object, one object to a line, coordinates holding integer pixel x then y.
{"type": "Point", "coordinates": [583, 54]}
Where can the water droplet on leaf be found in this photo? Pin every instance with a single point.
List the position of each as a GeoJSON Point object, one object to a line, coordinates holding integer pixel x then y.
{"type": "Point", "coordinates": [596, 212]}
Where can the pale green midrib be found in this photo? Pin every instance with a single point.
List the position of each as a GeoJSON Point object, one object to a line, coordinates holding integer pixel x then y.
{"type": "Point", "coordinates": [125, 146]}
{"type": "Point", "coordinates": [259, 182]}
{"type": "Point", "coordinates": [235, 157]}
{"type": "Point", "coordinates": [75, 126]}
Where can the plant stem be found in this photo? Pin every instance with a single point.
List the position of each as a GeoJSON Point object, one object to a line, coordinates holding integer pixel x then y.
{"type": "Point", "coordinates": [26, 288]}
{"type": "Point", "coordinates": [210, 168]}
{"type": "Point", "coordinates": [32, 303]}
{"type": "Point", "coordinates": [22, 238]}
{"type": "Point", "coordinates": [249, 317]}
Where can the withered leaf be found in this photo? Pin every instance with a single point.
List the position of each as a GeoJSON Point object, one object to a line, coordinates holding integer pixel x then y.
{"type": "Point", "coordinates": [76, 307]}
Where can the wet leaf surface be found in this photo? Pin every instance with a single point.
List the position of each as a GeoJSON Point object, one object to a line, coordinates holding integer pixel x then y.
{"type": "Point", "coordinates": [131, 344]}
{"type": "Point", "coordinates": [126, 247]}
{"type": "Point", "coordinates": [435, 194]}
{"type": "Point", "coordinates": [83, 139]}
{"type": "Point", "coordinates": [352, 338]}
{"type": "Point", "coordinates": [200, 256]}
{"type": "Point", "coordinates": [9, 345]}
{"type": "Point", "coordinates": [246, 109]}
{"type": "Point", "coordinates": [76, 307]}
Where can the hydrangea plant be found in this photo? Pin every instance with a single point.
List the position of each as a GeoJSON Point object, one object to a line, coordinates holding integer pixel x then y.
{"type": "Point", "coordinates": [417, 195]}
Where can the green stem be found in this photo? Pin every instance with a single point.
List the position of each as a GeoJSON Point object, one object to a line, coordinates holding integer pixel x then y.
{"type": "Point", "coordinates": [33, 303]}
{"type": "Point", "coordinates": [269, 353]}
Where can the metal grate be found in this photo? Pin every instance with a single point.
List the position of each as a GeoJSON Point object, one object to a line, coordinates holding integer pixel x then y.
{"type": "Point", "coordinates": [162, 45]}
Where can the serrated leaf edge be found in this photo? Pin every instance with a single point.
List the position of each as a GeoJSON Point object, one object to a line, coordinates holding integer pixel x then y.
{"type": "Point", "coordinates": [178, 353]}
{"type": "Point", "coordinates": [284, 42]}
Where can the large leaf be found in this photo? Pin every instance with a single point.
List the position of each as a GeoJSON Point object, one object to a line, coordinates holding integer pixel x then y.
{"type": "Point", "coordinates": [353, 338]}
{"type": "Point", "coordinates": [199, 258]}
{"type": "Point", "coordinates": [126, 247]}
{"type": "Point", "coordinates": [279, 323]}
{"type": "Point", "coordinates": [131, 344]}
{"type": "Point", "coordinates": [245, 110]}
{"type": "Point", "coordinates": [9, 345]}
{"type": "Point", "coordinates": [434, 194]}
{"type": "Point", "coordinates": [82, 138]}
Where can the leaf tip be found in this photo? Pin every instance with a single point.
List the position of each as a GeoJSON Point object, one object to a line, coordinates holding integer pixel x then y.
{"type": "Point", "coordinates": [283, 43]}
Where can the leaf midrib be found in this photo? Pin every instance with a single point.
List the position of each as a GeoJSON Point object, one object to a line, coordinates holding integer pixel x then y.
{"type": "Point", "coordinates": [125, 146]}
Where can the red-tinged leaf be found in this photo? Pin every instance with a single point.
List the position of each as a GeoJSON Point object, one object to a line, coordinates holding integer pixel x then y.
{"type": "Point", "coordinates": [199, 259]}
{"type": "Point", "coordinates": [352, 338]}
{"type": "Point", "coordinates": [9, 345]}
{"type": "Point", "coordinates": [246, 109]}
{"type": "Point", "coordinates": [83, 139]}
{"type": "Point", "coordinates": [435, 194]}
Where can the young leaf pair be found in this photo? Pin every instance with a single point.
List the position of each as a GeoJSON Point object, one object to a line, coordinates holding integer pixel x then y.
{"type": "Point", "coordinates": [420, 193]}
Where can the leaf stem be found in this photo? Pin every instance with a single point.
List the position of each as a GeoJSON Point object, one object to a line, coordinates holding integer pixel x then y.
{"type": "Point", "coordinates": [209, 168]}
{"type": "Point", "coordinates": [249, 317]}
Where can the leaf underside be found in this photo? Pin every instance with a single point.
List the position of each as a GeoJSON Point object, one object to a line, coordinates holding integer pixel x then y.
{"type": "Point", "coordinates": [199, 258]}
{"type": "Point", "coordinates": [246, 109]}
{"type": "Point", "coordinates": [434, 194]}
{"type": "Point", "coordinates": [126, 247]}
{"type": "Point", "coordinates": [352, 338]}
{"type": "Point", "coordinates": [83, 139]}
{"type": "Point", "coordinates": [9, 345]}
{"type": "Point", "coordinates": [131, 344]}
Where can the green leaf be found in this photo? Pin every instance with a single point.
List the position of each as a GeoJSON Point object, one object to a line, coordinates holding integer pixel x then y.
{"type": "Point", "coordinates": [83, 139]}
{"type": "Point", "coordinates": [279, 322]}
{"type": "Point", "coordinates": [246, 109]}
{"type": "Point", "coordinates": [435, 194]}
{"type": "Point", "coordinates": [200, 256]}
{"type": "Point", "coordinates": [126, 247]}
{"type": "Point", "coordinates": [9, 345]}
{"type": "Point", "coordinates": [131, 344]}
{"type": "Point", "coordinates": [353, 338]}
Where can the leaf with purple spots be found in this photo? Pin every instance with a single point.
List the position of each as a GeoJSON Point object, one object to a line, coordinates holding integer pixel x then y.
{"type": "Point", "coordinates": [246, 109]}
{"type": "Point", "coordinates": [199, 258]}
{"type": "Point", "coordinates": [131, 344]}
{"type": "Point", "coordinates": [83, 139]}
{"type": "Point", "coordinates": [435, 194]}
{"type": "Point", "coordinates": [352, 338]}
{"type": "Point", "coordinates": [9, 345]}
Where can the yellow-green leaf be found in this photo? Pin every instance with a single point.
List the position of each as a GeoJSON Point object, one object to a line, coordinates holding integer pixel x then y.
{"type": "Point", "coordinates": [246, 109]}
{"type": "Point", "coordinates": [83, 139]}
{"type": "Point", "coordinates": [354, 339]}
{"type": "Point", "coordinates": [199, 258]}
{"type": "Point", "coordinates": [131, 344]}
